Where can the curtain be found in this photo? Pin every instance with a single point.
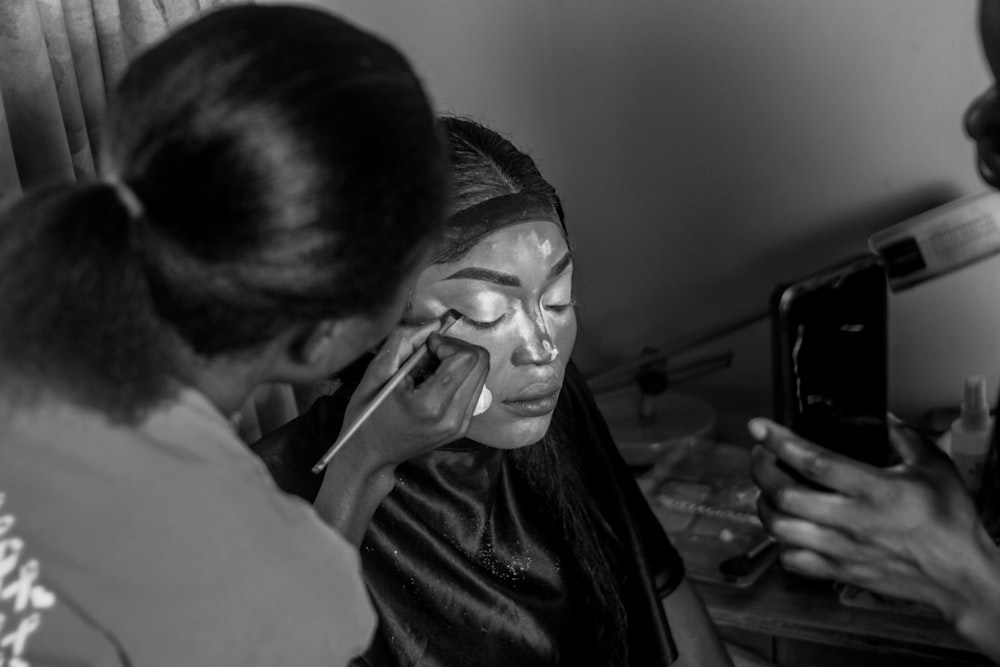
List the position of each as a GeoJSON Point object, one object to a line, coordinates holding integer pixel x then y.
{"type": "Point", "coordinates": [59, 59]}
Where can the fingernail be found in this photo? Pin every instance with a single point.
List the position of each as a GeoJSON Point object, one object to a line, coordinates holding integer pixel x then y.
{"type": "Point", "coordinates": [757, 429]}
{"type": "Point", "coordinates": [781, 528]}
{"type": "Point", "coordinates": [796, 449]}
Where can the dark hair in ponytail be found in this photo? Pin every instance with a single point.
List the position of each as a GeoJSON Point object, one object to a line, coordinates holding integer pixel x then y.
{"type": "Point", "coordinates": [288, 168]}
{"type": "Point", "coordinates": [74, 302]}
{"type": "Point", "coordinates": [486, 165]}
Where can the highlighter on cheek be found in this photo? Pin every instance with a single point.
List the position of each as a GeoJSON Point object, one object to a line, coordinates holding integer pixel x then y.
{"type": "Point", "coordinates": [484, 402]}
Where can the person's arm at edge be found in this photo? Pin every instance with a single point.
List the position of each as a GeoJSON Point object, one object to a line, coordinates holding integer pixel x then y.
{"type": "Point", "coordinates": [921, 539]}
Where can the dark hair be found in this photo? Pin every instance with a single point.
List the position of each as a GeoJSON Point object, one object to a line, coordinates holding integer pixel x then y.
{"type": "Point", "coordinates": [289, 169]}
{"type": "Point", "coordinates": [552, 470]}
{"type": "Point", "coordinates": [486, 165]}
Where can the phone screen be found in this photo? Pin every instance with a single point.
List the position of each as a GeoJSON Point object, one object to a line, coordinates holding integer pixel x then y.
{"type": "Point", "coordinates": [830, 353]}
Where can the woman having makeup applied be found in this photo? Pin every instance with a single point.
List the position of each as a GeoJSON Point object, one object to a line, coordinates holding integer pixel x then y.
{"type": "Point", "coordinates": [271, 179]}
{"type": "Point", "coordinates": [528, 542]}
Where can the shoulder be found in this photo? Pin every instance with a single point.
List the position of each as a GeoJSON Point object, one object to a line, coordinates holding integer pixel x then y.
{"type": "Point", "coordinates": [175, 544]}
{"type": "Point", "coordinates": [319, 599]}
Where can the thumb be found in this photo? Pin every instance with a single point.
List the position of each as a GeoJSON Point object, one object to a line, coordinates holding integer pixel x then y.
{"type": "Point", "coordinates": [911, 446]}
{"type": "Point", "coordinates": [443, 347]}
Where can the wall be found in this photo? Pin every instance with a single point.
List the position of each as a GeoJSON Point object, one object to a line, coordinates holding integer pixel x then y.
{"type": "Point", "coordinates": [707, 150]}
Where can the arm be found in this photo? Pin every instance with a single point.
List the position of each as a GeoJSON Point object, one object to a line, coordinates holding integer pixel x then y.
{"type": "Point", "coordinates": [698, 642]}
{"type": "Point", "coordinates": [910, 531]}
{"type": "Point", "coordinates": [412, 421]}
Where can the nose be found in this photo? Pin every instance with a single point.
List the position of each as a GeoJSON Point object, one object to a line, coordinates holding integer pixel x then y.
{"type": "Point", "coordinates": [535, 347]}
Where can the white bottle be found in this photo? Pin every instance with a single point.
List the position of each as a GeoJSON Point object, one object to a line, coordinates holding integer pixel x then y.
{"type": "Point", "coordinates": [971, 434]}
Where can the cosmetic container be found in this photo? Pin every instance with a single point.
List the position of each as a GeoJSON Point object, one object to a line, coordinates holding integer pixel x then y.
{"type": "Point", "coordinates": [970, 434]}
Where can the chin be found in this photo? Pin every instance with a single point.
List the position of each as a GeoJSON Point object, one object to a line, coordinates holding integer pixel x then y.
{"type": "Point", "coordinates": [509, 435]}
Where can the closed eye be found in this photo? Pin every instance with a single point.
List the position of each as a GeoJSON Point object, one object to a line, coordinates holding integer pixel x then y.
{"type": "Point", "coordinates": [561, 307]}
{"type": "Point", "coordinates": [476, 324]}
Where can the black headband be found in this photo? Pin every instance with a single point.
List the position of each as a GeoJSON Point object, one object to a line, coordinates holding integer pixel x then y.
{"type": "Point", "coordinates": [468, 225]}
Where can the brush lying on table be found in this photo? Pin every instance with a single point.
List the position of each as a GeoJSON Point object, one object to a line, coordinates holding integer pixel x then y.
{"type": "Point", "coordinates": [744, 563]}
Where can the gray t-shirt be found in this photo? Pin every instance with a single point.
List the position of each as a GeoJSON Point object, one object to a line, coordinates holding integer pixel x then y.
{"type": "Point", "coordinates": [163, 544]}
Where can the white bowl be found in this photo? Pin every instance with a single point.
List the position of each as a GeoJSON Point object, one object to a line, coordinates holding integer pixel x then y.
{"type": "Point", "coordinates": [642, 441]}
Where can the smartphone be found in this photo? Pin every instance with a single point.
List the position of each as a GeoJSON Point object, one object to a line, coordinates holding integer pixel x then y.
{"type": "Point", "coordinates": [830, 354]}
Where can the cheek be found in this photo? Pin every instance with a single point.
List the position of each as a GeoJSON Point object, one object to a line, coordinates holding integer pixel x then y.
{"type": "Point", "coordinates": [501, 346]}
{"type": "Point", "coordinates": [499, 350]}
{"type": "Point", "coordinates": [495, 428]}
{"type": "Point", "coordinates": [563, 332]}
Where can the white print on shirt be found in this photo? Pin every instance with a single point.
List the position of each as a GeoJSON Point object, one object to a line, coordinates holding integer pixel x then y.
{"type": "Point", "coordinates": [22, 598]}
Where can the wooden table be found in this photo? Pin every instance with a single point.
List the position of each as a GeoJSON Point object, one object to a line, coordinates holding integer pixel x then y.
{"type": "Point", "coordinates": [800, 622]}
{"type": "Point", "coordinates": [796, 621]}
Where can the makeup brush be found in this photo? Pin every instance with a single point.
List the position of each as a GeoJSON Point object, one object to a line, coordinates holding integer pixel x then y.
{"type": "Point", "coordinates": [450, 318]}
{"type": "Point", "coordinates": [744, 563]}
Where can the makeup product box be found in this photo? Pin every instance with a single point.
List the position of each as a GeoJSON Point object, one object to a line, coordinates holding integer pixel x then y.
{"type": "Point", "coordinates": [943, 269]}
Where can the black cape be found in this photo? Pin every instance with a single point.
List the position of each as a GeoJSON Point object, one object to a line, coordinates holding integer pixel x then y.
{"type": "Point", "coordinates": [463, 566]}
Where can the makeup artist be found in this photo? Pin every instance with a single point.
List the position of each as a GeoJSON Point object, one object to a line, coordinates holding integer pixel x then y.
{"type": "Point", "coordinates": [909, 531]}
{"type": "Point", "coordinates": [272, 177]}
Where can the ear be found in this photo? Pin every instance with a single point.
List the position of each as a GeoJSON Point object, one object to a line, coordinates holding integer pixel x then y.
{"type": "Point", "coordinates": [313, 352]}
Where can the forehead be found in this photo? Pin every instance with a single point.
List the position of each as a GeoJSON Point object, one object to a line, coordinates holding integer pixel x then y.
{"type": "Point", "coordinates": [519, 249]}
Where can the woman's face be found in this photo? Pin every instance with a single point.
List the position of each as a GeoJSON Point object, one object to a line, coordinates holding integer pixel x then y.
{"type": "Point", "coordinates": [515, 290]}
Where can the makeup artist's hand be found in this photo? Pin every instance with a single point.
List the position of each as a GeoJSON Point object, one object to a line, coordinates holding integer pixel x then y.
{"type": "Point", "coordinates": [909, 531]}
{"type": "Point", "coordinates": [413, 420]}
{"type": "Point", "coordinates": [417, 418]}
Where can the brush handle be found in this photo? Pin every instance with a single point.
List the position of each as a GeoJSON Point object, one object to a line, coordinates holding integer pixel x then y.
{"type": "Point", "coordinates": [760, 547]}
{"type": "Point", "coordinates": [742, 564]}
{"type": "Point", "coordinates": [383, 394]}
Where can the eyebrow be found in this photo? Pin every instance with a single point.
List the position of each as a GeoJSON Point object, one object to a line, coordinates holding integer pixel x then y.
{"type": "Point", "coordinates": [505, 279]}
{"type": "Point", "coordinates": [485, 275]}
{"type": "Point", "coordinates": [560, 266]}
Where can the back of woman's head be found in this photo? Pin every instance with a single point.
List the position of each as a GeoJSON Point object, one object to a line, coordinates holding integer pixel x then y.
{"type": "Point", "coordinates": [485, 165]}
{"type": "Point", "coordinates": [277, 166]}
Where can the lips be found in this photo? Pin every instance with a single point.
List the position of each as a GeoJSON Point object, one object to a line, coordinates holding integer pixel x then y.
{"type": "Point", "coordinates": [536, 401]}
